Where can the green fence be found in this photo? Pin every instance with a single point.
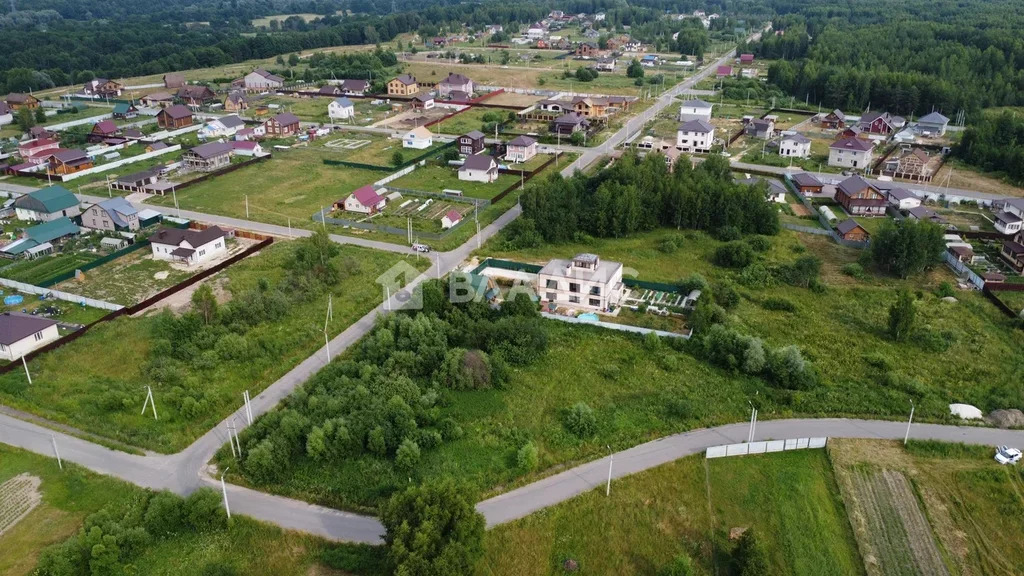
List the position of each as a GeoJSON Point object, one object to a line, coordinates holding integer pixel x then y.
{"type": "Point", "coordinates": [405, 164]}
{"type": "Point", "coordinates": [64, 276]}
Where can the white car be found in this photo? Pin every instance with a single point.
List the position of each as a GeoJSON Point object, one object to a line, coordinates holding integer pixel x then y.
{"type": "Point", "coordinates": [1007, 455]}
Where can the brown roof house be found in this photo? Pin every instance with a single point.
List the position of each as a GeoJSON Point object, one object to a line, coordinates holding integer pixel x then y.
{"type": "Point", "coordinates": [208, 157]}
{"type": "Point", "coordinates": [23, 333]}
{"type": "Point", "coordinates": [195, 96]}
{"type": "Point", "coordinates": [102, 130]}
{"type": "Point", "coordinates": [174, 117]}
{"type": "Point", "coordinates": [403, 85]}
{"type": "Point", "coordinates": [188, 247]}
{"type": "Point", "coordinates": [18, 100]}
{"type": "Point", "coordinates": [68, 161]}
{"type": "Point", "coordinates": [174, 80]}
{"type": "Point", "coordinates": [850, 230]}
{"type": "Point", "coordinates": [807, 183]}
{"type": "Point", "coordinates": [236, 101]}
{"type": "Point", "coordinates": [860, 197]}
{"type": "Point", "coordinates": [471, 143]}
{"type": "Point", "coordinates": [283, 125]}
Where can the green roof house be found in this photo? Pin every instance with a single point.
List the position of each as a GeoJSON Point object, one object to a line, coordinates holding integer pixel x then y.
{"type": "Point", "coordinates": [47, 204]}
{"type": "Point", "coordinates": [42, 237]}
{"type": "Point", "coordinates": [125, 111]}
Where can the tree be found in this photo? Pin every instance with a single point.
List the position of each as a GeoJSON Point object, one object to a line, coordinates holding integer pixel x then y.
{"type": "Point", "coordinates": [397, 159]}
{"type": "Point", "coordinates": [907, 247]}
{"type": "Point", "coordinates": [752, 556]}
{"type": "Point", "coordinates": [205, 303]}
{"type": "Point", "coordinates": [293, 60]}
{"type": "Point", "coordinates": [25, 119]}
{"type": "Point", "coordinates": [901, 316]}
{"type": "Point", "coordinates": [681, 565]}
{"type": "Point", "coordinates": [40, 115]}
{"type": "Point", "coordinates": [433, 529]}
{"type": "Point", "coordinates": [635, 69]}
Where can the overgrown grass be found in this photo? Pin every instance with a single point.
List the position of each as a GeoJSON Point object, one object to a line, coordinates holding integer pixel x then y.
{"type": "Point", "coordinates": [97, 383]}
{"type": "Point", "coordinates": [74, 493]}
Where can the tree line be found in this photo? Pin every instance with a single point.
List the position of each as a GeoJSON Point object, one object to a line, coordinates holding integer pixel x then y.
{"type": "Point", "coordinates": [995, 143]}
{"type": "Point", "coordinates": [635, 195]}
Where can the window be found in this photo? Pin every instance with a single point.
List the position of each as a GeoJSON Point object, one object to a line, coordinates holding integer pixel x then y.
{"type": "Point", "coordinates": [574, 287]}
{"type": "Point", "coordinates": [38, 336]}
{"type": "Point", "coordinates": [550, 296]}
{"type": "Point", "coordinates": [595, 290]}
{"type": "Point", "coordinates": [552, 284]}
{"type": "Point", "coordinates": [595, 302]}
{"type": "Point", "coordinates": [574, 299]}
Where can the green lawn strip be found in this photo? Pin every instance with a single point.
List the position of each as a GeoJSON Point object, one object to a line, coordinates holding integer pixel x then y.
{"type": "Point", "coordinates": [74, 493]}
{"type": "Point", "coordinates": [648, 519]}
{"type": "Point", "coordinates": [435, 179]}
{"type": "Point", "coordinates": [792, 501]}
{"type": "Point", "coordinates": [97, 383]}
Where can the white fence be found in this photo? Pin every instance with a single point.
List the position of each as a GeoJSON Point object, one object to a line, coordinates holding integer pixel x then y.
{"type": "Point", "coordinates": [766, 447]}
{"type": "Point", "coordinates": [613, 326]}
{"type": "Point", "coordinates": [396, 175]}
{"type": "Point", "coordinates": [79, 122]}
{"type": "Point", "coordinates": [170, 134]}
{"type": "Point", "coordinates": [66, 296]}
{"type": "Point", "coordinates": [122, 162]}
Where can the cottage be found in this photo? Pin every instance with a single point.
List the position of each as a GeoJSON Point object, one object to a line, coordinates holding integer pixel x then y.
{"type": "Point", "coordinates": [605, 65]}
{"type": "Point", "coordinates": [880, 123]}
{"type": "Point", "coordinates": [586, 50]}
{"type": "Point", "coordinates": [471, 143]}
{"type": "Point", "coordinates": [850, 230]}
{"type": "Point", "coordinates": [851, 153]}
{"type": "Point", "coordinates": [188, 246]}
{"type": "Point", "coordinates": [452, 83]}
{"type": "Point", "coordinates": [807, 183]}
{"type": "Point", "coordinates": [762, 128]}
{"type": "Point", "coordinates": [68, 161]}
{"type": "Point", "coordinates": [695, 136]}
{"type": "Point", "coordinates": [418, 138]}
{"type": "Point", "coordinates": [723, 71]}
{"type": "Point", "coordinates": [364, 200]}
{"type": "Point", "coordinates": [6, 116]}
{"type": "Point", "coordinates": [450, 219]}
{"type": "Point", "coordinates": [208, 157]}
{"type": "Point", "coordinates": [794, 146]}
{"type": "Point", "coordinates": [174, 117]}
{"type": "Point", "coordinates": [283, 125]}
{"type": "Point", "coordinates": [156, 146]}
{"type": "Point", "coordinates": [329, 90]}
{"type": "Point", "coordinates": [913, 164]}
{"type": "Point", "coordinates": [403, 85]}
{"type": "Point", "coordinates": [1013, 252]}
{"type": "Point", "coordinates": [260, 80]}
{"type": "Point", "coordinates": [834, 120]}
{"type": "Point", "coordinates": [961, 253]}
{"type": "Point", "coordinates": [102, 88]}
{"type": "Point", "coordinates": [479, 168]}
{"type": "Point", "coordinates": [41, 238]}
{"type": "Point", "coordinates": [355, 87]}
{"type": "Point", "coordinates": [554, 106]}
{"type": "Point", "coordinates": [124, 111]}
{"type": "Point", "coordinates": [112, 215]}
{"type": "Point", "coordinates": [157, 100]}
{"type": "Point", "coordinates": [18, 100]}
{"type": "Point", "coordinates": [582, 282]}
{"type": "Point", "coordinates": [746, 58]}
{"type": "Point", "coordinates": [236, 101]}
{"type": "Point", "coordinates": [521, 149]}
{"type": "Point", "coordinates": [569, 123]}
{"type": "Point", "coordinates": [196, 96]}
{"type": "Point", "coordinates": [224, 126]}
{"type": "Point", "coordinates": [245, 148]}
{"type": "Point", "coordinates": [1010, 220]}
{"type": "Point", "coordinates": [341, 109]}
{"type": "Point", "coordinates": [860, 198]}
{"type": "Point", "coordinates": [851, 132]}
{"type": "Point", "coordinates": [23, 333]}
{"type": "Point", "coordinates": [174, 80]}
{"type": "Point", "coordinates": [925, 214]}
{"type": "Point", "coordinates": [46, 204]}
{"type": "Point", "coordinates": [422, 101]}
{"type": "Point", "coordinates": [102, 130]}
{"type": "Point", "coordinates": [902, 199]}
{"type": "Point", "coordinates": [695, 110]}
{"type": "Point", "coordinates": [135, 182]}
{"type": "Point", "coordinates": [38, 150]}
{"type": "Point", "coordinates": [933, 123]}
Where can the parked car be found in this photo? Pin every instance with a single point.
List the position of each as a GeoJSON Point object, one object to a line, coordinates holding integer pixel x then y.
{"type": "Point", "coordinates": [421, 247]}
{"type": "Point", "coordinates": [1007, 455]}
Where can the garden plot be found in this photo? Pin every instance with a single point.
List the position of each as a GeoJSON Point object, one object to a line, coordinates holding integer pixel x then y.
{"type": "Point", "coordinates": [347, 143]}
{"type": "Point", "coordinates": [428, 208]}
{"type": "Point", "coordinates": [635, 298]}
{"type": "Point", "coordinates": [18, 496]}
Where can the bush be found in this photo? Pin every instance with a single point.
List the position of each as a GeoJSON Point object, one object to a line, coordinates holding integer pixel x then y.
{"type": "Point", "coordinates": [728, 233]}
{"type": "Point", "coordinates": [693, 282]}
{"type": "Point", "coordinates": [681, 565]}
{"type": "Point", "coordinates": [203, 512]}
{"type": "Point", "coordinates": [220, 568]}
{"type": "Point", "coordinates": [778, 304]}
{"type": "Point", "coordinates": [945, 290]}
{"type": "Point", "coordinates": [527, 457]}
{"type": "Point", "coordinates": [580, 420]}
{"type": "Point", "coordinates": [726, 296]}
{"type": "Point", "coordinates": [668, 246]}
{"type": "Point", "coordinates": [752, 556]}
{"type": "Point", "coordinates": [163, 515]}
{"type": "Point", "coordinates": [787, 368]}
{"type": "Point", "coordinates": [760, 243]}
{"type": "Point", "coordinates": [733, 254]}
{"type": "Point", "coordinates": [407, 456]}
{"type": "Point", "coordinates": [757, 276]}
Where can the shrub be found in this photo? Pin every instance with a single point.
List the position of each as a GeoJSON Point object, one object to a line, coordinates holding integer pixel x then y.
{"type": "Point", "coordinates": [668, 246]}
{"type": "Point", "coordinates": [752, 556]}
{"type": "Point", "coordinates": [203, 512]}
{"type": "Point", "coordinates": [728, 233]}
{"type": "Point", "coordinates": [787, 368]}
{"type": "Point", "coordinates": [651, 342]}
{"type": "Point", "coordinates": [855, 270]}
{"type": "Point", "coordinates": [945, 290]}
{"type": "Point", "coordinates": [219, 568]}
{"type": "Point", "coordinates": [901, 316]}
{"type": "Point", "coordinates": [580, 420]}
{"type": "Point", "coordinates": [397, 159]}
{"type": "Point", "coordinates": [757, 276]}
{"type": "Point", "coordinates": [734, 254]}
{"type": "Point", "coordinates": [693, 282]}
{"type": "Point", "coordinates": [778, 304]}
{"type": "Point", "coordinates": [527, 457]}
{"type": "Point", "coordinates": [726, 296]}
{"type": "Point", "coordinates": [163, 514]}
{"type": "Point", "coordinates": [407, 456]}
{"type": "Point", "coordinates": [681, 565]}
{"type": "Point", "coordinates": [759, 243]}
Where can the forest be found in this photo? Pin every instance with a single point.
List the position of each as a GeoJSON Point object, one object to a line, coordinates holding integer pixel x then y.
{"type": "Point", "coordinates": [636, 194]}
{"type": "Point", "coordinates": [909, 58]}
{"type": "Point", "coordinates": [995, 143]}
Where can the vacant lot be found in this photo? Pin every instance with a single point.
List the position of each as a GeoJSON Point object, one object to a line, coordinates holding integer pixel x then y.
{"type": "Point", "coordinates": [97, 383]}
{"type": "Point", "coordinates": [127, 280]}
{"type": "Point", "coordinates": [956, 174]}
{"type": "Point", "coordinates": [74, 493]}
{"type": "Point", "coordinates": [469, 120]}
{"type": "Point", "coordinates": [437, 178]}
{"type": "Point", "coordinates": [790, 499]}
{"type": "Point", "coordinates": [293, 185]}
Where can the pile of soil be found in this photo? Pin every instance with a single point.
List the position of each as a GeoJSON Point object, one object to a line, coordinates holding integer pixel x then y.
{"type": "Point", "coordinates": [1011, 418]}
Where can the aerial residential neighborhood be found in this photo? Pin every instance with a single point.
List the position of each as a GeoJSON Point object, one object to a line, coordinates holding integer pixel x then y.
{"type": "Point", "coordinates": [509, 289]}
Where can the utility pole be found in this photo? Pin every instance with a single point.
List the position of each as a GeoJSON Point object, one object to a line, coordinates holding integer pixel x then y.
{"type": "Point", "coordinates": [611, 460]}
{"type": "Point", "coordinates": [909, 422]}
{"type": "Point", "coordinates": [25, 364]}
{"type": "Point", "coordinates": [150, 402]}
{"type": "Point", "coordinates": [56, 452]}
{"type": "Point", "coordinates": [224, 490]}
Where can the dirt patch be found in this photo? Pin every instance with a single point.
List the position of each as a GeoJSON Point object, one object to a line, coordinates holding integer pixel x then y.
{"type": "Point", "coordinates": [18, 496]}
{"type": "Point", "coordinates": [181, 301]}
{"type": "Point", "coordinates": [800, 210]}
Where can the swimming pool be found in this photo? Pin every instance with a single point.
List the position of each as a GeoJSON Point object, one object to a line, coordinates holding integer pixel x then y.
{"type": "Point", "coordinates": [588, 316]}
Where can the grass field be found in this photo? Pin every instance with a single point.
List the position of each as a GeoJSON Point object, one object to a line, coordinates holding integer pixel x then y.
{"type": "Point", "coordinates": [434, 179]}
{"type": "Point", "coordinates": [84, 111]}
{"type": "Point", "coordinates": [46, 267]}
{"type": "Point", "coordinates": [97, 383]}
{"type": "Point", "coordinates": [377, 150]}
{"type": "Point", "coordinates": [467, 121]}
{"type": "Point", "coordinates": [790, 499]}
{"type": "Point", "coordinates": [293, 185]}
{"type": "Point", "coordinates": [71, 495]}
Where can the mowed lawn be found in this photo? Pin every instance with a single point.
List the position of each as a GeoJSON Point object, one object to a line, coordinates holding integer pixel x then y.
{"type": "Point", "coordinates": [293, 185]}
{"type": "Point", "coordinates": [843, 329]}
{"type": "Point", "coordinates": [790, 499]}
{"type": "Point", "coordinates": [436, 179]}
{"type": "Point", "coordinates": [74, 493]}
{"type": "Point", "coordinates": [469, 120]}
{"type": "Point", "coordinates": [97, 383]}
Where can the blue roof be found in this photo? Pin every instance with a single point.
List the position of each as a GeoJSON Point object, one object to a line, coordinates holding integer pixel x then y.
{"type": "Point", "coordinates": [115, 207]}
{"type": "Point", "coordinates": [343, 102]}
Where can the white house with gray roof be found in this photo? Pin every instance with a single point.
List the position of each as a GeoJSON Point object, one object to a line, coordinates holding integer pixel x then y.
{"type": "Point", "coordinates": [933, 123]}
{"type": "Point", "coordinates": [341, 109]}
{"type": "Point", "coordinates": [585, 281]}
{"type": "Point", "coordinates": [794, 146]}
{"type": "Point", "coordinates": [695, 110]}
{"type": "Point", "coordinates": [111, 215]}
{"type": "Point", "coordinates": [23, 333]}
{"type": "Point", "coordinates": [695, 136]}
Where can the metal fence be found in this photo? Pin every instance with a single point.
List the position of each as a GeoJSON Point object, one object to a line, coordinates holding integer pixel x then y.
{"type": "Point", "coordinates": [765, 447]}
{"type": "Point", "coordinates": [59, 294]}
{"type": "Point", "coordinates": [821, 218]}
{"type": "Point", "coordinates": [963, 270]}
